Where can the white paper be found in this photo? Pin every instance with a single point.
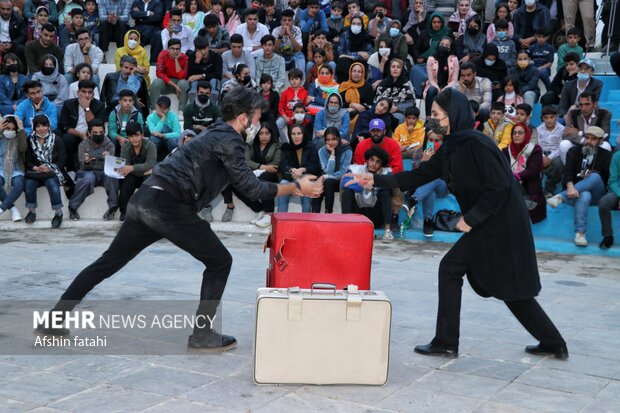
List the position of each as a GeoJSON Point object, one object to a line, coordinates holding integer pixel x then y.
{"type": "Point", "coordinates": [112, 165]}
{"type": "Point", "coordinates": [258, 172]}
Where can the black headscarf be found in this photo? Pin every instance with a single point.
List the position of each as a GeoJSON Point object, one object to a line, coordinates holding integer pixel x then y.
{"type": "Point", "coordinates": [257, 154]}
{"type": "Point", "coordinates": [359, 42]}
{"type": "Point", "coordinates": [495, 73]}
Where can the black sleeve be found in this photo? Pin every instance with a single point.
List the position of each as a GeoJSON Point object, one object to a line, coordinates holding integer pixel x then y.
{"type": "Point", "coordinates": [59, 156]}
{"type": "Point", "coordinates": [572, 166]}
{"type": "Point", "coordinates": [64, 122]}
{"type": "Point", "coordinates": [410, 180]}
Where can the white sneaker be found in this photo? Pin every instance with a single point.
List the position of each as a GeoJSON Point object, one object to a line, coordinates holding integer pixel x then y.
{"type": "Point", "coordinates": [554, 201]}
{"type": "Point", "coordinates": [580, 239]}
{"type": "Point", "coordinates": [257, 217]}
{"type": "Point", "coordinates": [264, 222]}
{"type": "Point", "coordinates": [388, 236]}
{"type": "Point", "coordinates": [15, 215]}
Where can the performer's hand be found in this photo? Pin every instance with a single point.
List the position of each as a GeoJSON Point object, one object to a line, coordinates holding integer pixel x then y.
{"type": "Point", "coordinates": [365, 180]}
{"type": "Point", "coordinates": [462, 225]}
{"type": "Point", "coordinates": [311, 186]}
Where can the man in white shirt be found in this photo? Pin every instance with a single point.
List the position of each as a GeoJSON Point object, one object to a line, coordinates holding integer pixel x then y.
{"type": "Point", "coordinates": [252, 31]}
{"type": "Point", "coordinates": [84, 51]}
{"type": "Point", "coordinates": [12, 31]}
{"type": "Point", "coordinates": [549, 137]}
{"type": "Point", "coordinates": [177, 30]}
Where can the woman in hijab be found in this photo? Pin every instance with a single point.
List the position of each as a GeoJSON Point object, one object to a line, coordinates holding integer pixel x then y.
{"type": "Point", "coordinates": [496, 251]}
{"type": "Point", "coordinates": [334, 115]}
{"type": "Point", "coordinates": [443, 71]}
{"type": "Point", "coordinates": [323, 86]}
{"type": "Point", "coordinates": [355, 46]}
{"type": "Point", "coordinates": [381, 110]}
{"type": "Point", "coordinates": [526, 163]}
{"type": "Point", "coordinates": [425, 47]}
{"type": "Point", "coordinates": [12, 161]}
{"type": "Point", "coordinates": [241, 77]}
{"type": "Point", "coordinates": [357, 95]}
{"type": "Point", "coordinates": [55, 86]}
{"type": "Point", "coordinates": [471, 44]}
{"type": "Point", "coordinates": [132, 48]}
{"type": "Point", "coordinates": [489, 65]}
{"type": "Point", "coordinates": [335, 158]}
{"type": "Point", "coordinates": [458, 20]}
{"type": "Point", "coordinates": [398, 88]}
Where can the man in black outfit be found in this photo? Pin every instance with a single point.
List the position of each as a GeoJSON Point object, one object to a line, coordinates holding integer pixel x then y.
{"type": "Point", "coordinates": [496, 251]}
{"type": "Point", "coordinates": [166, 206]}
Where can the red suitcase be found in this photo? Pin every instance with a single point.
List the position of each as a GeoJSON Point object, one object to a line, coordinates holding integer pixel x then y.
{"type": "Point", "coordinates": [319, 248]}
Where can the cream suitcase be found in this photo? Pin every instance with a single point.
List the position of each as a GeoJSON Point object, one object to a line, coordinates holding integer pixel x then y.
{"type": "Point", "coordinates": [321, 336]}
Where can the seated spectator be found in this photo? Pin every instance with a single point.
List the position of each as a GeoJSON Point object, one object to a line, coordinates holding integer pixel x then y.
{"type": "Point", "coordinates": [380, 24]}
{"type": "Point", "coordinates": [549, 137]}
{"type": "Point", "coordinates": [335, 158]}
{"type": "Point", "coordinates": [319, 44]}
{"type": "Point", "coordinates": [458, 20]}
{"type": "Point", "coordinates": [573, 37]}
{"type": "Point", "coordinates": [542, 56]}
{"type": "Point", "coordinates": [272, 98]}
{"type": "Point", "coordinates": [231, 18]}
{"type": "Point", "coordinates": [525, 159]}
{"type": "Point", "coordinates": [332, 115]}
{"type": "Point", "coordinates": [312, 18]}
{"type": "Point", "coordinates": [34, 105]}
{"type": "Point", "coordinates": [264, 155]}
{"type": "Point", "coordinates": [490, 66]}
{"type": "Point", "coordinates": [164, 127]}
{"type": "Point", "coordinates": [299, 157]}
{"type": "Point", "coordinates": [355, 46]}
{"type": "Point", "coordinates": [470, 45]}
{"type": "Point", "coordinates": [527, 20]}
{"type": "Point", "coordinates": [68, 32]}
{"type": "Point", "coordinates": [323, 86]}
{"type": "Point", "coordinates": [40, 19]}
{"type": "Point", "coordinates": [235, 56]}
{"type": "Point", "coordinates": [11, 84]}
{"type": "Point", "coordinates": [217, 37]}
{"type": "Point", "coordinates": [31, 9]}
{"type": "Point", "coordinates": [65, 8]}
{"type": "Point", "coordinates": [417, 21]}
{"type": "Point", "coordinates": [131, 47]}
{"type": "Point", "coordinates": [140, 156]}
{"type": "Point", "coordinates": [55, 86]}
{"type": "Point", "coordinates": [354, 10]}
{"type": "Point", "coordinates": [172, 65]}
{"type": "Point", "coordinates": [495, 127]}
{"type": "Point", "coordinates": [578, 120]}
{"type": "Point", "coordinates": [523, 115]}
{"type": "Point", "coordinates": [398, 88]}
{"type": "Point", "coordinates": [398, 42]}
{"type": "Point", "coordinates": [502, 12]}
{"type": "Point", "coordinates": [357, 95]}
{"type": "Point", "coordinates": [45, 163]}
{"type": "Point", "coordinates": [429, 39]}
{"type": "Point", "coordinates": [203, 111]}
{"type": "Point", "coordinates": [113, 18]}
{"type": "Point", "coordinates": [13, 144]}
{"type": "Point", "coordinates": [335, 23]}
{"type": "Point", "coordinates": [120, 80]}
{"type": "Point", "coordinates": [410, 133]}
{"type": "Point", "coordinates": [475, 88]}
{"type": "Point", "coordinates": [13, 33]}
{"type": "Point", "coordinates": [562, 76]}
{"type": "Point", "coordinates": [585, 176]}
{"type": "Point", "coordinates": [82, 51]}
{"type": "Point", "coordinates": [295, 93]}
{"type": "Point", "coordinates": [177, 30]}
{"type": "Point", "coordinates": [270, 63]}
{"type": "Point", "coordinates": [270, 16]}
{"type": "Point", "coordinates": [528, 77]}
{"type": "Point", "coordinates": [74, 118]}
{"type": "Point", "coordinates": [91, 155]}
{"type": "Point", "coordinates": [380, 110]}
{"type": "Point", "coordinates": [288, 41]}
{"type": "Point", "coordinates": [193, 16]}
{"type": "Point", "coordinates": [91, 20]}
{"type": "Point", "coordinates": [83, 71]}
{"type": "Point", "coordinates": [124, 113]}
{"type": "Point", "coordinates": [252, 31]}
{"type": "Point", "coordinates": [204, 65]}
{"type": "Point", "coordinates": [506, 46]}
{"type": "Point", "coordinates": [511, 97]}
{"type": "Point", "coordinates": [378, 61]}
{"type": "Point", "coordinates": [443, 71]}
{"type": "Point", "coordinates": [574, 88]}
{"type": "Point", "coordinates": [376, 203]}
{"type": "Point", "coordinates": [609, 202]}
{"type": "Point", "coordinates": [242, 77]}
{"type": "Point", "coordinates": [44, 45]}
{"type": "Point", "coordinates": [148, 16]}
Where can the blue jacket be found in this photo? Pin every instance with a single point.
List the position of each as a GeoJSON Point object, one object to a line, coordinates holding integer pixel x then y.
{"type": "Point", "coordinates": [7, 88]}
{"type": "Point", "coordinates": [26, 112]}
{"type": "Point", "coordinates": [329, 165]}
{"type": "Point", "coordinates": [320, 123]}
{"type": "Point", "coordinates": [310, 24]}
{"type": "Point", "coordinates": [528, 79]}
{"type": "Point", "coordinates": [542, 21]}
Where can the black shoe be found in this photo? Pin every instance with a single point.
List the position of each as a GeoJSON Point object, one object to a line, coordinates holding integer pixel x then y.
{"type": "Point", "coordinates": [122, 217]}
{"type": "Point", "coordinates": [560, 353]}
{"type": "Point", "coordinates": [52, 331]}
{"type": "Point", "coordinates": [607, 242]}
{"type": "Point", "coordinates": [109, 214]}
{"type": "Point", "coordinates": [73, 214]}
{"type": "Point", "coordinates": [56, 221]}
{"type": "Point", "coordinates": [30, 217]}
{"type": "Point", "coordinates": [432, 350]}
{"type": "Point", "coordinates": [410, 206]}
{"type": "Point", "coordinates": [211, 342]}
{"type": "Point", "coordinates": [428, 228]}
{"type": "Point", "coordinates": [395, 221]}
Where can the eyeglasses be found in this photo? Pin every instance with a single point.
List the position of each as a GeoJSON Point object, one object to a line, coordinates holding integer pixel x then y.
{"type": "Point", "coordinates": [174, 48]}
{"type": "Point", "coordinates": [518, 132]}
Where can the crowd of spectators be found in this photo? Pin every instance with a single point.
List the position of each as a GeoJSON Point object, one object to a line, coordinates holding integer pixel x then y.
{"type": "Point", "coordinates": [344, 84]}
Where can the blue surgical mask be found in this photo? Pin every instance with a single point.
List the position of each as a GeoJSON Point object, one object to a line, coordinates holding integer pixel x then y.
{"type": "Point", "coordinates": [334, 17]}
{"type": "Point", "coordinates": [583, 76]}
{"type": "Point", "coordinates": [489, 62]}
{"type": "Point", "coordinates": [502, 35]}
{"type": "Point", "coordinates": [394, 32]}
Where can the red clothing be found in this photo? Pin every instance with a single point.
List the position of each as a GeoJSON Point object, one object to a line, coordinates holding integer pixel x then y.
{"type": "Point", "coordinates": [166, 67]}
{"type": "Point", "coordinates": [389, 145]}
{"type": "Point", "coordinates": [288, 99]}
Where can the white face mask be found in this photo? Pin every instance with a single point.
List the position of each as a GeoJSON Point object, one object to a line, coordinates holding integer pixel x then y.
{"type": "Point", "coordinates": [510, 95]}
{"type": "Point", "coordinates": [9, 134]}
{"type": "Point", "coordinates": [384, 51]}
{"type": "Point", "coordinates": [251, 132]}
{"type": "Point", "coordinates": [356, 29]}
{"type": "Point", "coordinates": [299, 117]}
{"type": "Point", "coordinates": [132, 43]}
{"type": "Point", "coordinates": [530, 3]}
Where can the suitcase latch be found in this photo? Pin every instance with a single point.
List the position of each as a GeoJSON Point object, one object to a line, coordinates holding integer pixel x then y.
{"type": "Point", "coordinates": [279, 257]}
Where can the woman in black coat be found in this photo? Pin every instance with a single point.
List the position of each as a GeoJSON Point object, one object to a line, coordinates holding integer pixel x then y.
{"type": "Point", "coordinates": [496, 251]}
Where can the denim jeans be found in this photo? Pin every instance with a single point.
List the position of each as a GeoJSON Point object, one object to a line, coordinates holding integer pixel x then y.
{"type": "Point", "coordinates": [53, 189]}
{"type": "Point", "coordinates": [418, 77]}
{"type": "Point", "coordinates": [17, 187]}
{"type": "Point", "coordinates": [605, 205]}
{"type": "Point", "coordinates": [283, 201]}
{"type": "Point", "coordinates": [545, 74]}
{"type": "Point", "coordinates": [591, 189]}
{"type": "Point", "coordinates": [427, 193]}
{"type": "Point", "coordinates": [164, 144]}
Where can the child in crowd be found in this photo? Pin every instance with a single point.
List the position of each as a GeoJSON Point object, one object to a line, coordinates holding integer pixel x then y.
{"type": "Point", "coordinates": [502, 12]}
{"type": "Point", "coordinates": [495, 127]}
{"type": "Point", "coordinates": [524, 113]}
{"type": "Point", "coordinates": [542, 55]}
{"type": "Point", "coordinates": [511, 97]}
{"type": "Point", "coordinates": [122, 114]}
{"type": "Point", "coordinates": [528, 77]}
{"type": "Point", "coordinates": [40, 19]}
{"type": "Point", "coordinates": [410, 134]}
{"type": "Point", "coordinates": [91, 20]}
{"type": "Point", "coordinates": [301, 118]}
{"type": "Point", "coordinates": [505, 44]}
{"type": "Point", "coordinates": [573, 36]}
{"type": "Point", "coordinates": [164, 126]}
{"type": "Point", "coordinates": [549, 137]}
{"type": "Point", "coordinates": [318, 40]}
{"type": "Point", "coordinates": [271, 97]}
{"type": "Point", "coordinates": [295, 93]}
{"type": "Point", "coordinates": [312, 68]}
{"type": "Point", "coordinates": [354, 11]}
{"type": "Point", "coordinates": [335, 22]}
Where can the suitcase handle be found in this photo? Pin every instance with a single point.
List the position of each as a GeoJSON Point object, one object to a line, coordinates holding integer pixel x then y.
{"type": "Point", "coordinates": [323, 286]}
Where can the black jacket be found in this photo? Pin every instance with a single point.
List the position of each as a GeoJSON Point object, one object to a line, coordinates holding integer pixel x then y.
{"type": "Point", "coordinates": [196, 173]}
{"type": "Point", "coordinates": [568, 96]}
{"type": "Point", "coordinates": [212, 69]}
{"type": "Point", "coordinates": [17, 30]}
{"type": "Point", "coordinates": [141, 17]}
{"type": "Point", "coordinates": [499, 250]}
{"type": "Point", "coordinates": [69, 113]}
{"type": "Point", "coordinates": [59, 156]}
{"type": "Point", "coordinates": [309, 160]}
{"type": "Point", "coordinates": [109, 87]}
{"type": "Point", "coordinates": [574, 159]}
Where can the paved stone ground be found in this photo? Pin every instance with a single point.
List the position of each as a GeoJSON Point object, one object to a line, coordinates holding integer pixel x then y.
{"type": "Point", "coordinates": [492, 374]}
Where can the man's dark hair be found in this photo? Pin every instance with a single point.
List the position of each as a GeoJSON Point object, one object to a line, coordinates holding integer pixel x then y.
{"type": "Point", "coordinates": [268, 3]}
{"type": "Point", "coordinates": [319, 32]}
{"type": "Point", "coordinates": [549, 110]}
{"type": "Point", "coordinates": [288, 13]}
{"type": "Point", "coordinates": [164, 101]}
{"type": "Point", "coordinates": [468, 66]}
{"type": "Point", "coordinates": [542, 31]}
{"type": "Point", "coordinates": [498, 106]}
{"type": "Point", "coordinates": [295, 74]}
{"type": "Point", "coordinates": [203, 84]}
{"type": "Point", "coordinates": [31, 84]}
{"type": "Point", "coordinates": [412, 111]}
{"type": "Point", "coordinates": [176, 12]}
{"type": "Point", "coordinates": [574, 31]}
{"type": "Point", "coordinates": [94, 123]}
{"type": "Point", "coordinates": [80, 31]}
{"type": "Point", "coordinates": [124, 93]}
{"type": "Point", "coordinates": [267, 38]}
{"type": "Point", "coordinates": [313, 3]}
{"type": "Point", "coordinates": [200, 43]}
{"type": "Point", "coordinates": [264, 78]}
{"type": "Point", "coordinates": [236, 38]}
{"type": "Point", "coordinates": [173, 41]}
{"type": "Point", "coordinates": [128, 59]}
{"type": "Point", "coordinates": [586, 95]}
{"type": "Point", "coordinates": [337, 5]}
{"type": "Point", "coordinates": [49, 27]}
{"type": "Point", "coordinates": [250, 11]}
{"type": "Point", "coordinates": [475, 106]}
{"type": "Point", "coordinates": [571, 57]}
{"type": "Point", "coordinates": [211, 20]}
{"type": "Point", "coordinates": [525, 108]}
{"type": "Point", "coordinates": [40, 119]}
{"type": "Point", "coordinates": [133, 128]}
{"type": "Point", "coordinates": [501, 24]}
{"type": "Point", "coordinates": [379, 153]}
{"type": "Point", "coordinates": [240, 100]}
{"type": "Point", "coordinates": [87, 84]}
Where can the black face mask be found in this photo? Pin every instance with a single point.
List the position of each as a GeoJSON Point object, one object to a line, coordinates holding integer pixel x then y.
{"type": "Point", "coordinates": [473, 31]}
{"type": "Point", "coordinates": [97, 138]}
{"type": "Point", "coordinates": [203, 99]}
{"type": "Point", "coordinates": [246, 80]}
{"type": "Point", "coordinates": [12, 68]}
{"type": "Point", "coordinates": [47, 70]}
{"type": "Point", "coordinates": [442, 51]}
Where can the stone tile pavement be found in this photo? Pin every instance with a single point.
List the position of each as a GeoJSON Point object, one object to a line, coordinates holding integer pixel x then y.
{"type": "Point", "coordinates": [492, 374]}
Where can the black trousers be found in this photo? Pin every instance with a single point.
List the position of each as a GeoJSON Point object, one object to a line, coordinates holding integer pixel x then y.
{"type": "Point", "coordinates": [112, 33]}
{"type": "Point", "coordinates": [331, 186]}
{"type": "Point", "coordinates": [71, 143]}
{"type": "Point", "coordinates": [452, 268]}
{"type": "Point", "coordinates": [128, 187]}
{"type": "Point", "coordinates": [266, 205]}
{"type": "Point", "coordinates": [153, 215]}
